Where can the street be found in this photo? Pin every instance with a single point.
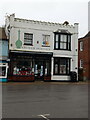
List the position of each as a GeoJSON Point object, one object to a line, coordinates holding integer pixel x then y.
{"type": "Point", "coordinates": [40, 99]}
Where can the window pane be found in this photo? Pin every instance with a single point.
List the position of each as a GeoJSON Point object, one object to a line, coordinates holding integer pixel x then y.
{"type": "Point", "coordinates": [2, 71]}
{"type": "Point", "coordinates": [61, 45]}
{"type": "Point", "coordinates": [28, 39]}
{"type": "Point", "coordinates": [81, 46]}
{"type": "Point", "coordinates": [47, 68]}
{"type": "Point", "coordinates": [62, 69]}
{"type": "Point", "coordinates": [62, 66]}
{"type": "Point", "coordinates": [68, 65]}
{"type": "Point", "coordinates": [64, 45]}
{"type": "Point", "coordinates": [57, 45]}
{"type": "Point", "coordinates": [61, 38]}
{"type": "Point", "coordinates": [69, 46]}
{"type": "Point", "coordinates": [64, 38]}
{"type": "Point", "coordinates": [81, 63]}
{"type": "Point", "coordinates": [57, 38]}
{"type": "Point", "coordinates": [56, 68]}
{"type": "Point", "coordinates": [63, 42]}
{"type": "Point", "coordinates": [69, 38]}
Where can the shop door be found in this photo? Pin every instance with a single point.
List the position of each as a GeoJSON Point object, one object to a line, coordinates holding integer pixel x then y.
{"type": "Point", "coordinates": [39, 70]}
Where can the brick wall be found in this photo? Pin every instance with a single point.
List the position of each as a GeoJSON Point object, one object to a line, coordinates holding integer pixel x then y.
{"type": "Point", "coordinates": [84, 55]}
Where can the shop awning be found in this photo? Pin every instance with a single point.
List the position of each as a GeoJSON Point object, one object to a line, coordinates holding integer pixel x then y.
{"type": "Point", "coordinates": [32, 53]}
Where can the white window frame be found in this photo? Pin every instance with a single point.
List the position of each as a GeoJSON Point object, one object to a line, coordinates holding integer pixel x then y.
{"type": "Point", "coordinates": [81, 45]}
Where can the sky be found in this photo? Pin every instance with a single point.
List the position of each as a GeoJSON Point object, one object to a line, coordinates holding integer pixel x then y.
{"type": "Point", "coordinates": [89, 16]}
{"type": "Point", "coordinates": [73, 11]}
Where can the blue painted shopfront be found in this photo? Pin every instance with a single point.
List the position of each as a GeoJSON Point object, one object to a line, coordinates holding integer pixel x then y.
{"type": "Point", "coordinates": [3, 60]}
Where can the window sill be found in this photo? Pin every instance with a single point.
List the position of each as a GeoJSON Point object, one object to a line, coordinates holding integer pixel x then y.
{"type": "Point", "coordinates": [62, 74]}
{"type": "Point", "coordinates": [28, 44]}
{"type": "Point", "coordinates": [63, 49]}
{"type": "Point", "coordinates": [45, 46]}
{"type": "Point", "coordinates": [81, 68]}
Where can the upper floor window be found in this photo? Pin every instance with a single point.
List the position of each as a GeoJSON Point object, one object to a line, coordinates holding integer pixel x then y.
{"type": "Point", "coordinates": [81, 46]}
{"type": "Point", "coordinates": [28, 39]}
{"type": "Point", "coordinates": [62, 41]}
{"type": "Point", "coordinates": [46, 40]}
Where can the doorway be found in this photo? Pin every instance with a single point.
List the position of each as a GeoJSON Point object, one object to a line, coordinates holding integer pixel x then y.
{"type": "Point", "coordinates": [39, 70]}
{"type": "Point", "coordinates": [42, 68]}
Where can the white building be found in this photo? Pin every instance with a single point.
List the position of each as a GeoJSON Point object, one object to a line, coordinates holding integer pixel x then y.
{"type": "Point", "coordinates": [41, 50]}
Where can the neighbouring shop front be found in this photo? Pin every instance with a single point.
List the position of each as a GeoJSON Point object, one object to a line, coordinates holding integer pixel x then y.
{"type": "Point", "coordinates": [3, 71]}
{"type": "Point", "coordinates": [29, 66]}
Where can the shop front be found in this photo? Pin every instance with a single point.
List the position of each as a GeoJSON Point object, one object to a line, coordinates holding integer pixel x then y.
{"type": "Point", "coordinates": [3, 71]}
{"type": "Point", "coordinates": [29, 66]}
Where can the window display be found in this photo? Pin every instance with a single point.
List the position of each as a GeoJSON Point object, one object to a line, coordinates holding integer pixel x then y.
{"type": "Point", "coordinates": [3, 70]}
{"type": "Point", "coordinates": [23, 67]}
{"type": "Point", "coordinates": [27, 66]}
{"type": "Point", "coordinates": [61, 66]}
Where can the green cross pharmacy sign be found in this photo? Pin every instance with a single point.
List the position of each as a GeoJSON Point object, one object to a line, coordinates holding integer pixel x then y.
{"type": "Point", "coordinates": [18, 42]}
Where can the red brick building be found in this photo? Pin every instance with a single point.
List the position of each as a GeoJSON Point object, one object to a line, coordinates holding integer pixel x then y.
{"type": "Point", "coordinates": [84, 57]}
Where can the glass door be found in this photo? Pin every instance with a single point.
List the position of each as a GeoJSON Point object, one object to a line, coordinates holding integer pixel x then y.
{"type": "Point", "coordinates": [39, 70]}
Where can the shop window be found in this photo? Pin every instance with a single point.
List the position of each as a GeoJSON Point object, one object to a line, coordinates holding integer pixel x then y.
{"type": "Point", "coordinates": [56, 68]}
{"type": "Point", "coordinates": [47, 68]}
{"type": "Point", "coordinates": [46, 40]}
{"type": "Point", "coordinates": [62, 41]}
{"type": "Point", "coordinates": [61, 66]}
{"type": "Point", "coordinates": [3, 71]}
{"type": "Point", "coordinates": [23, 67]}
{"type": "Point", "coordinates": [27, 65]}
{"type": "Point", "coordinates": [28, 39]}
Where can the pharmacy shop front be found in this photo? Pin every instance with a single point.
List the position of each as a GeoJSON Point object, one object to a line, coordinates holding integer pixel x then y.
{"type": "Point", "coordinates": [29, 66]}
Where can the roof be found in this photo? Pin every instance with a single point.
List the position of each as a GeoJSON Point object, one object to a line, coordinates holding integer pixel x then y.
{"type": "Point", "coordinates": [43, 22]}
{"type": "Point", "coordinates": [62, 31]}
{"type": "Point", "coordinates": [86, 36]}
{"type": "Point", "coordinates": [3, 34]}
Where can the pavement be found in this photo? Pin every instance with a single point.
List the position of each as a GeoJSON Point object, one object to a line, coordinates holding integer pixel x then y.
{"type": "Point", "coordinates": [45, 100]}
{"type": "Point", "coordinates": [42, 82]}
